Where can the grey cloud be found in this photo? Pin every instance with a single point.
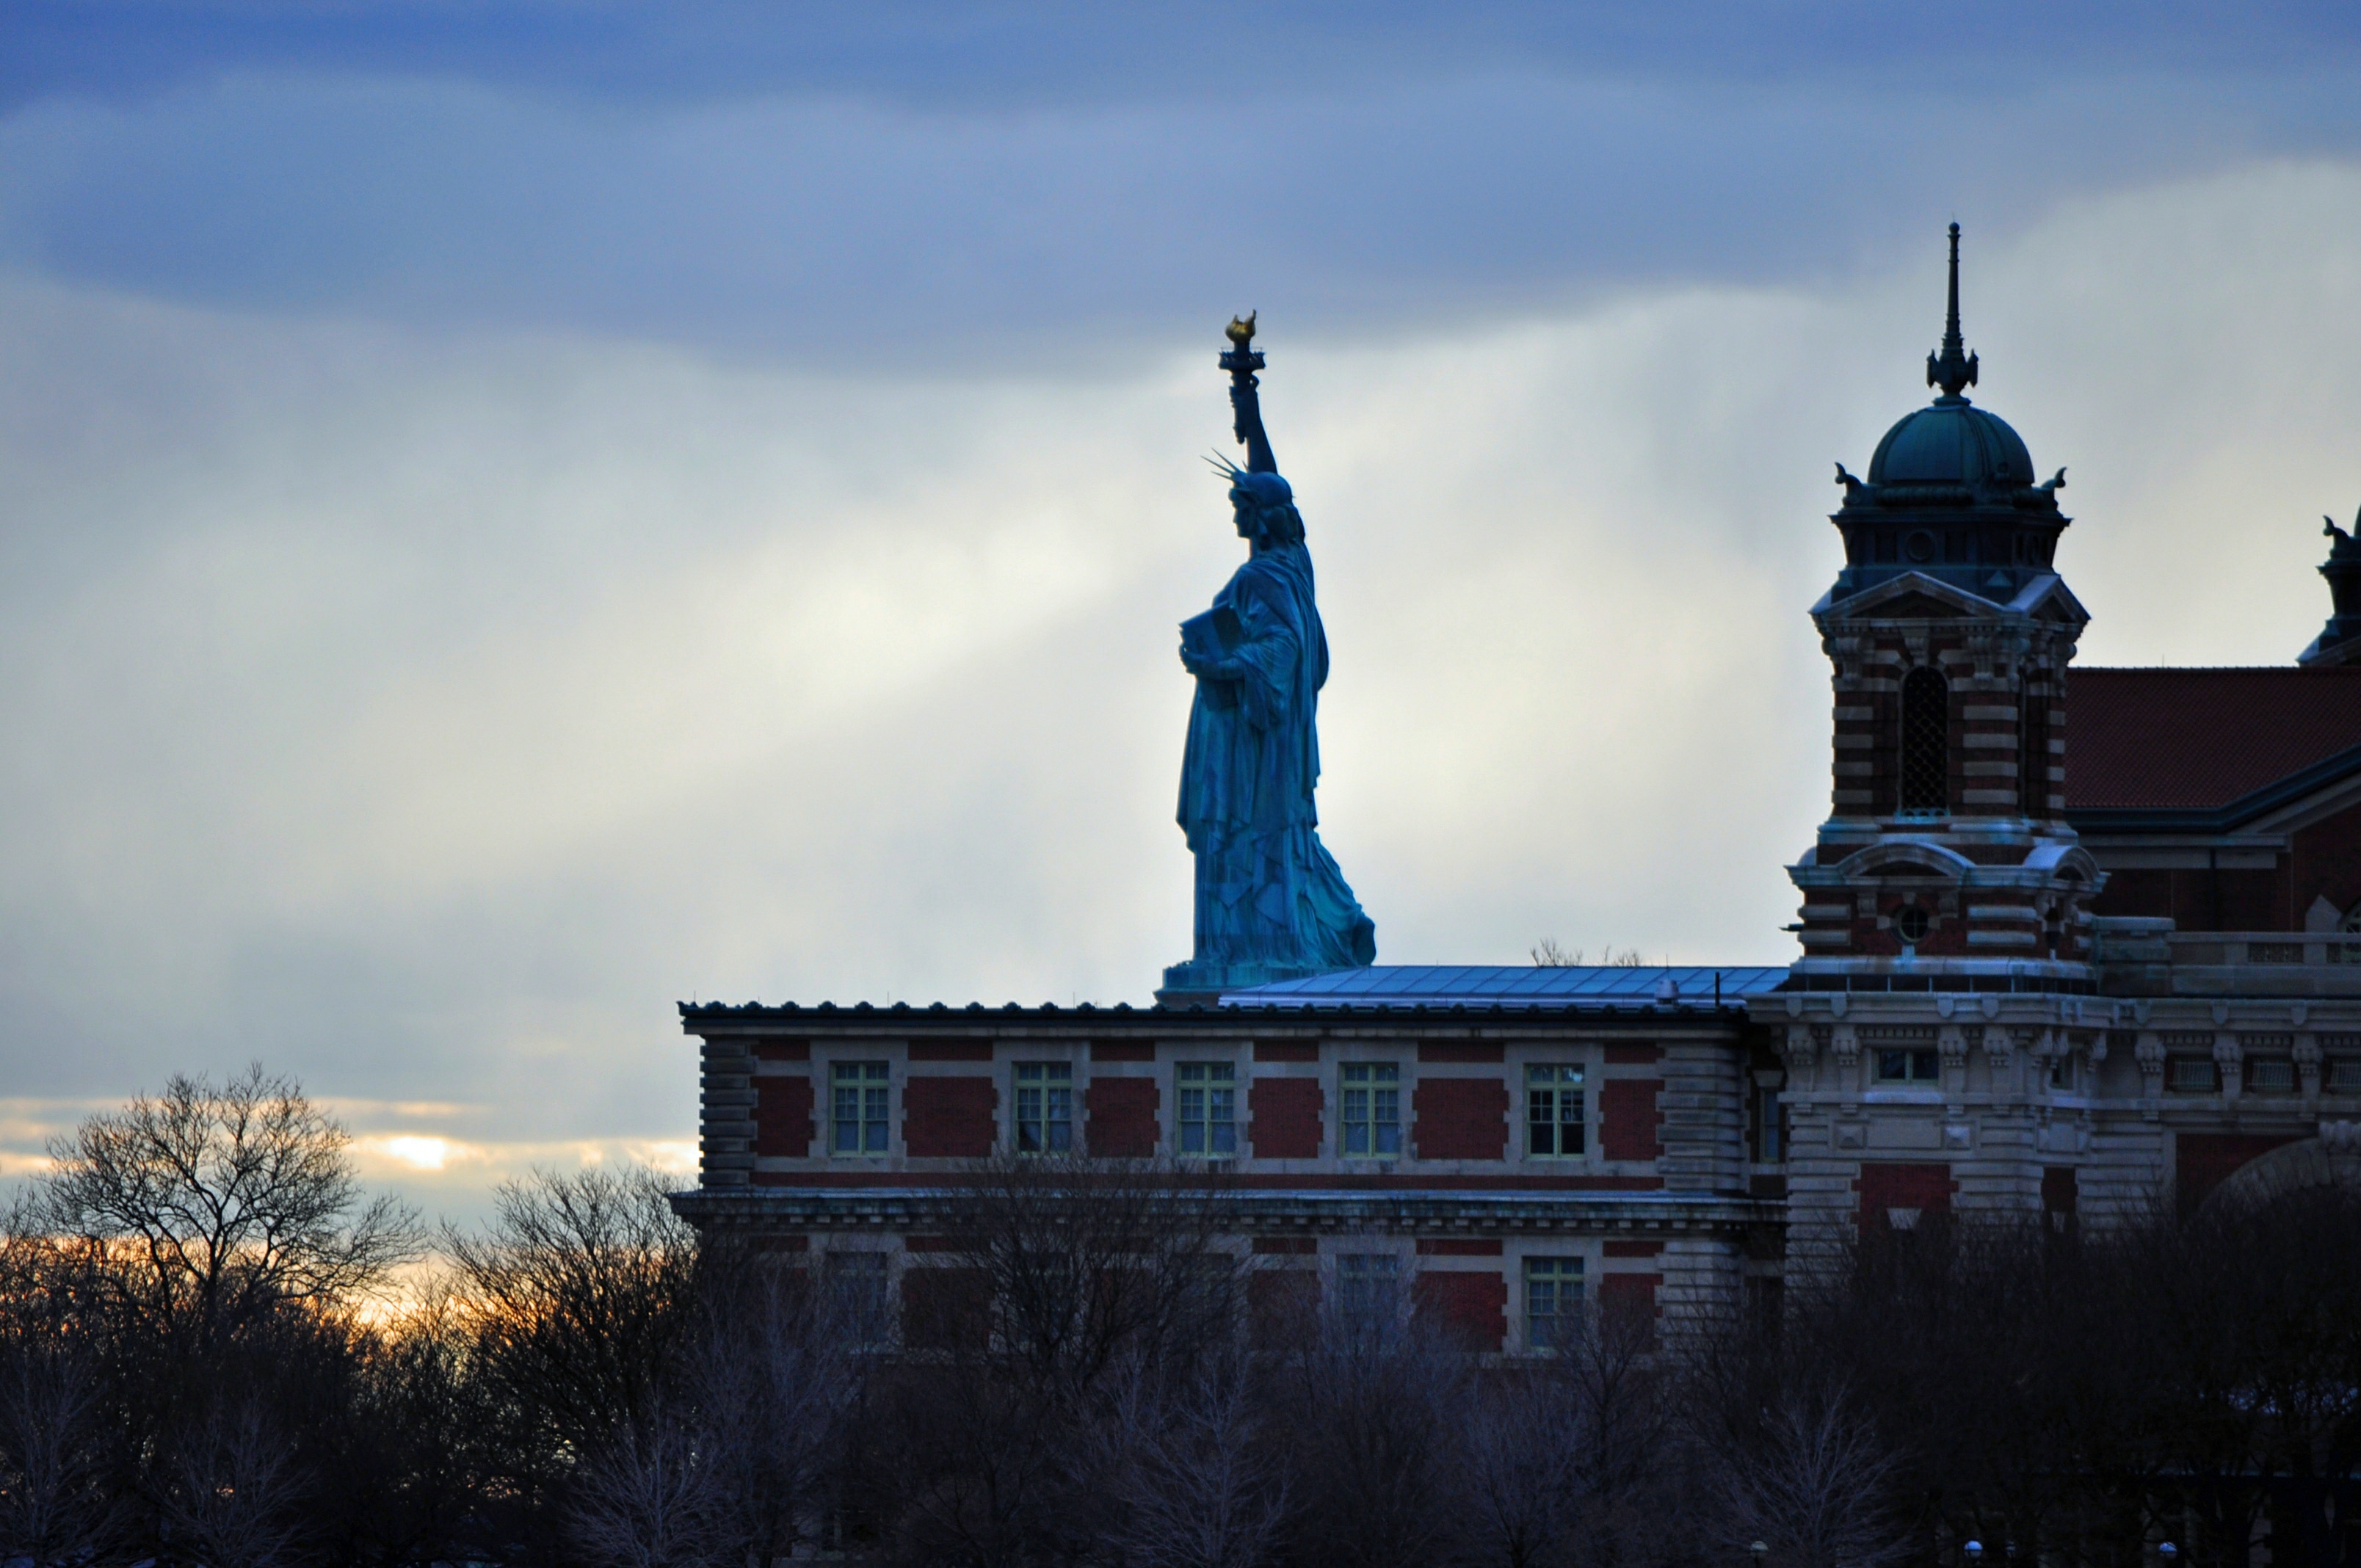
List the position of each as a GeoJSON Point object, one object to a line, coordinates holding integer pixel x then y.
{"type": "Point", "coordinates": [1030, 52]}
{"type": "Point", "coordinates": [426, 713]}
{"type": "Point", "coordinates": [832, 230]}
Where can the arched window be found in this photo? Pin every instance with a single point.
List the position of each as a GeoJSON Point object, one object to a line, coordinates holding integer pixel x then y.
{"type": "Point", "coordinates": [2033, 748]}
{"type": "Point", "coordinates": [1926, 742]}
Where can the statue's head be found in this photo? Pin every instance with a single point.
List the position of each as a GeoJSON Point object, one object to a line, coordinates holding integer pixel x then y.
{"type": "Point", "coordinates": [1264, 507]}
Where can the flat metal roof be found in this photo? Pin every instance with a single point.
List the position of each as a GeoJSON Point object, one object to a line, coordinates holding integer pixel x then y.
{"type": "Point", "coordinates": [1515, 985]}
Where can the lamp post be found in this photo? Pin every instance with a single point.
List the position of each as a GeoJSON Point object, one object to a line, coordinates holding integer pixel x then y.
{"type": "Point", "coordinates": [2169, 1552]}
{"type": "Point", "coordinates": [1758, 1552]}
{"type": "Point", "coordinates": [1975, 1551]}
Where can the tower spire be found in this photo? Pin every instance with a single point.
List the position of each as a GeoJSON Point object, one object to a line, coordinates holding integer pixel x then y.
{"type": "Point", "coordinates": [1954, 368]}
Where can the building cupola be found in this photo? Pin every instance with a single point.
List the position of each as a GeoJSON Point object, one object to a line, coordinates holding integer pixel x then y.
{"type": "Point", "coordinates": [1946, 862]}
{"type": "Point", "coordinates": [1950, 490]}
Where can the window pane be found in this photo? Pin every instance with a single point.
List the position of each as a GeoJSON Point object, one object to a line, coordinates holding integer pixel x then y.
{"type": "Point", "coordinates": [1552, 1296]}
{"type": "Point", "coordinates": [1926, 1066]}
{"type": "Point", "coordinates": [1926, 742]}
{"type": "Point", "coordinates": [1891, 1066]}
{"type": "Point", "coordinates": [857, 1102]}
{"type": "Point", "coordinates": [1365, 1284]}
{"type": "Point", "coordinates": [1540, 1121]}
{"type": "Point", "coordinates": [2271, 1075]}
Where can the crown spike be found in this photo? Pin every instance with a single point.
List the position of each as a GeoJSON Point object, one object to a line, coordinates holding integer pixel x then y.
{"type": "Point", "coordinates": [1954, 367]}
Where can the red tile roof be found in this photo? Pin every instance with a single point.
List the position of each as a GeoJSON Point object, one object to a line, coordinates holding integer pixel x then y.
{"type": "Point", "coordinates": [2200, 739]}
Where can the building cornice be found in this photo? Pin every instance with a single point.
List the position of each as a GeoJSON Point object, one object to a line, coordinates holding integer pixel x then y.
{"type": "Point", "coordinates": [1264, 1211]}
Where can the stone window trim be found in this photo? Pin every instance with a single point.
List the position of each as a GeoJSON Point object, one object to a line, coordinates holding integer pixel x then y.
{"type": "Point", "coordinates": [2268, 1074]}
{"type": "Point", "coordinates": [1905, 1064]}
{"type": "Point", "coordinates": [1368, 1277]}
{"type": "Point", "coordinates": [1207, 1094]}
{"type": "Point", "coordinates": [860, 1107]}
{"type": "Point", "coordinates": [1041, 1107]}
{"type": "Point", "coordinates": [2190, 1073]}
{"type": "Point", "coordinates": [1550, 1298]}
{"type": "Point", "coordinates": [1767, 1122]}
{"type": "Point", "coordinates": [1555, 1110]}
{"type": "Point", "coordinates": [1370, 1098]}
{"type": "Point", "coordinates": [859, 1281]}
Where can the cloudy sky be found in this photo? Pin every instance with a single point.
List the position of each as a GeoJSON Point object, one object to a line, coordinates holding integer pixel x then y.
{"type": "Point", "coordinates": [513, 514]}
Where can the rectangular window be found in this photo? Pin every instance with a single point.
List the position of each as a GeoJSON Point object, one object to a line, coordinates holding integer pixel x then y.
{"type": "Point", "coordinates": [1209, 1101]}
{"type": "Point", "coordinates": [2345, 1075]}
{"type": "Point", "coordinates": [2270, 1075]}
{"type": "Point", "coordinates": [2061, 1072]}
{"type": "Point", "coordinates": [859, 1107]}
{"type": "Point", "coordinates": [2190, 1075]}
{"type": "Point", "coordinates": [857, 1292]}
{"type": "Point", "coordinates": [1045, 1107]}
{"type": "Point", "coordinates": [1365, 1286]}
{"type": "Point", "coordinates": [1909, 1067]}
{"type": "Point", "coordinates": [1553, 1125]}
{"type": "Point", "coordinates": [1770, 1127]}
{"type": "Point", "coordinates": [1372, 1109]}
{"type": "Point", "coordinates": [1553, 1300]}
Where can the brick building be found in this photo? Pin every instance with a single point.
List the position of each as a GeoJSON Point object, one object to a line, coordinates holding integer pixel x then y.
{"type": "Point", "coordinates": [2073, 941]}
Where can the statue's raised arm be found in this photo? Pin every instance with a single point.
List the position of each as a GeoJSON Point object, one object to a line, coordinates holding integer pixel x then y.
{"type": "Point", "coordinates": [1242, 361]}
{"type": "Point", "coordinates": [1270, 903]}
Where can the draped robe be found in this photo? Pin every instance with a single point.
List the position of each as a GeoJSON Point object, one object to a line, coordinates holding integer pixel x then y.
{"type": "Point", "coordinates": [1271, 903]}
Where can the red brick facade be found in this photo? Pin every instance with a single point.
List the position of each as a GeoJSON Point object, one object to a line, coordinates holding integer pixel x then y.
{"type": "Point", "coordinates": [1886, 1186]}
{"type": "Point", "coordinates": [1285, 1118]}
{"type": "Point", "coordinates": [1628, 1116]}
{"type": "Point", "coordinates": [1123, 1117]}
{"type": "Point", "coordinates": [1470, 1305]}
{"type": "Point", "coordinates": [2202, 1161]}
{"type": "Point", "coordinates": [782, 1115]}
{"type": "Point", "coordinates": [1460, 1118]}
{"type": "Point", "coordinates": [948, 1118]}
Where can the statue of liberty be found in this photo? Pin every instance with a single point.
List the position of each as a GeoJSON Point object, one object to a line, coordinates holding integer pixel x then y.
{"type": "Point", "coordinates": [1271, 904]}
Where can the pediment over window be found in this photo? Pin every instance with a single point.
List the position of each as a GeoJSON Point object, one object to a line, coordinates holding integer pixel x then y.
{"type": "Point", "coordinates": [1914, 596]}
{"type": "Point", "coordinates": [1907, 860]}
{"type": "Point", "coordinates": [2047, 599]}
{"type": "Point", "coordinates": [1919, 606]}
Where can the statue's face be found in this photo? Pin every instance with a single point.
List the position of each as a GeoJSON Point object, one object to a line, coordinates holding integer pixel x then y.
{"type": "Point", "coordinates": [1243, 511]}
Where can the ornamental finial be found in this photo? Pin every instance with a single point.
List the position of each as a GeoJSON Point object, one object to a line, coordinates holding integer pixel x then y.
{"type": "Point", "coordinates": [1954, 368]}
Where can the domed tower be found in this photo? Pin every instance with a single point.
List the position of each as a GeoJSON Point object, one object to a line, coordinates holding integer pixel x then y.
{"type": "Point", "coordinates": [1946, 863]}
{"type": "Point", "coordinates": [1936, 1034]}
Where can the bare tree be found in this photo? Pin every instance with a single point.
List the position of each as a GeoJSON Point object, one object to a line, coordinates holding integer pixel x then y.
{"type": "Point", "coordinates": [229, 1198]}
{"type": "Point", "coordinates": [1194, 1486]}
{"type": "Point", "coordinates": [1086, 1261]}
{"type": "Point", "coordinates": [1374, 1404]}
{"type": "Point", "coordinates": [577, 1298]}
{"type": "Point", "coordinates": [234, 1491]}
{"type": "Point", "coordinates": [647, 1495]}
{"type": "Point", "coordinates": [54, 1417]}
{"type": "Point", "coordinates": [1815, 1486]}
{"type": "Point", "coordinates": [1068, 1270]}
{"type": "Point", "coordinates": [1576, 1457]}
{"type": "Point", "coordinates": [772, 1369]}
